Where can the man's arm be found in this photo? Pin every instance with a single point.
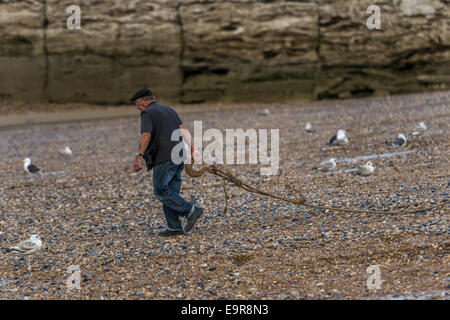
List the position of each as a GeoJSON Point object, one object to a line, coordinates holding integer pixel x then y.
{"type": "Point", "coordinates": [188, 138]}
{"type": "Point", "coordinates": [145, 139]}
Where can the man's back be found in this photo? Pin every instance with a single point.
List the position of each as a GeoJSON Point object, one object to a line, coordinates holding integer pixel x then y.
{"type": "Point", "coordinates": [160, 120]}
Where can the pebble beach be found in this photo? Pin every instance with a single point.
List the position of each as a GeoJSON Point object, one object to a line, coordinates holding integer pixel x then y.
{"type": "Point", "coordinates": [93, 211]}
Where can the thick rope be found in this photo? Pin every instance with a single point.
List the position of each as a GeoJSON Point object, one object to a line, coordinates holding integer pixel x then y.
{"type": "Point", "coordinates": [302, 201]}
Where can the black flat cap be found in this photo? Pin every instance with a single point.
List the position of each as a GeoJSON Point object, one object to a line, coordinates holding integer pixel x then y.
{"type": "Point", "coordinates": [144, 92]}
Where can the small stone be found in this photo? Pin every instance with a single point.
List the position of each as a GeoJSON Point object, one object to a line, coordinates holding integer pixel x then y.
{"type": "Point", "coordinates": [213, 292]}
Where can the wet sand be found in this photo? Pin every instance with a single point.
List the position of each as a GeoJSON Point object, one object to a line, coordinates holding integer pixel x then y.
{"type": "Point", "coordinates": [93, 211]}
{"type": "Point", "coordinates": [17, 114]}
{"type": "Point", "coordinates": [41, 118]}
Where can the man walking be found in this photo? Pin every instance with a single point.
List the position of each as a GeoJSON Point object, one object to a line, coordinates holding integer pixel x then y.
{"type": "Point", "coordinates": [158, 122]}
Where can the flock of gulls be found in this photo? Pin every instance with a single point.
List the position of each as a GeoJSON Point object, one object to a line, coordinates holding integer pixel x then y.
{"type": "Point", "coordinates": [341, 139]}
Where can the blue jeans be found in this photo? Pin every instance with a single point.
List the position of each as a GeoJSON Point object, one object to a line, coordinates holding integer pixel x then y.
{"type": "Point", "coordinates": [166, 186]}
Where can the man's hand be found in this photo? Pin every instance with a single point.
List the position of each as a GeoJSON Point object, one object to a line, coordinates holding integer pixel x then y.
{"type": "Point", "coordinates": [196, 155]}
{"type": "Point", "coordinates": [145, 139]}
{"type": "Point", "coordinates": [137, 164]}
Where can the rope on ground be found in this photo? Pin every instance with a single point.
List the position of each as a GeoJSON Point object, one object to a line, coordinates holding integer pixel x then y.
{"type": "Point", "coordinates": [225, 210]}
{"type": "Point", "coordinates": [302, 201]}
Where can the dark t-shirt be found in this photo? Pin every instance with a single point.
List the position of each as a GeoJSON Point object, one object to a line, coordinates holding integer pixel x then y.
{"type": "Point", "coordinates": [160, 120]}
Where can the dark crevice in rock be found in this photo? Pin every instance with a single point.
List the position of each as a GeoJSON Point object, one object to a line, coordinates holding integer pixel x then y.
{"type": "Point", "coordinates": [230, 27]}
{"type": "Point", "coordinates": [190, 72]}
{"type": "Point", "coordinates": [270, 54]}
{"type": "Point", "coordinates": [220, 71]}
{"type": "Point", "coordinates": [182, 49]}
{"type": "Point", "coordinates": [45, 49]}
{"type": "Point", "coordinates": [362, 91]}
{"type": "Point", "coordinates": [408, 66]}
{"type": "Point", "coordinates": [326, 95]}
{"type": "Point", "coordinates": [319, 57]}
{"type": "Point", "coordinates": [20, 40]}
{"type": "Point", "coordinates": [332, 21]}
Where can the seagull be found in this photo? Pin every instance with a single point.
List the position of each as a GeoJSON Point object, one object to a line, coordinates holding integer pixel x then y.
{"type": "Point", "coordinates": [309, 127]}
{"type": "Point", "coordinates": [264, 112]}
{"type": "Point", "coordinates": [420, 129]}
{"type": "Point", "coordinates": [339, 139]}
{"type": "Point", "coordinates": [365, 170]}
{"type": "Point", "coordinates": [65, 151]}
{"type": "Point", "coordinates": [400, 141]}
{"type": "Point", "coordinates": [29, 167]}
{"type": "Point", "coordinates": [327, 165]}
{"type": "Point", "coordinates": [27, 247]}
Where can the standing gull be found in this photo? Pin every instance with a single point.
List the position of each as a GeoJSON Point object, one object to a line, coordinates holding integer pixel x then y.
{"type": "Point", "coordinates": [29, 167]}
{"type": "Point", "coordinates": [264, 112]}
{"type": "Point", "coordinates": [309, 127]}
{"type": "Point", "coordinates": [27, 247]}
{"type": "Point", "coordinates": [340, 138]}
{"type": "Point", "coordinates": [65, 151]}
{"type": "Point", "coordinates": [420, 129]}
{"type": "Point", "coordinates": [327, 165]}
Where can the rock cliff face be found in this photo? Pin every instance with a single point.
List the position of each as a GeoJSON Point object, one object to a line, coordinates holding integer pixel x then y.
{"type": "Point", "coordinates": [221, 50]}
